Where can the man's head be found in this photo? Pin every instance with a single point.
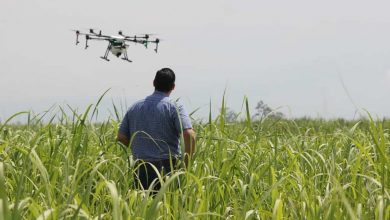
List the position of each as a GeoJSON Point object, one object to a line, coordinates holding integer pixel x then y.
{"type": "Point", "coordinates": [164, 80]}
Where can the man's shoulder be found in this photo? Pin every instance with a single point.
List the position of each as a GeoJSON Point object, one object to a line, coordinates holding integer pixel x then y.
{"type": "Point", "coordinates": [173, 103]}
{"type": "Point", "coordinates": [177, 103]}
{"type": "Point", "coordinates": [139, 102]}
{"type": "Point", "coordinates": [167, 102]}
{"type": "Point", "coordinates": [136, 104]}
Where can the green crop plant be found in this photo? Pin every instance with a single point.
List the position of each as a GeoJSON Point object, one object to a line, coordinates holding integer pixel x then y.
{"type": "Point", "coordinates": [70, 167]}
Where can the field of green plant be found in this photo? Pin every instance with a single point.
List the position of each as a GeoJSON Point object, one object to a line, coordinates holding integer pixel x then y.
{"type": "Point", "coordinates": [72, 167]}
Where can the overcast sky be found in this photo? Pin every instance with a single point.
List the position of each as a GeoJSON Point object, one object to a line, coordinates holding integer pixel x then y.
{"type": "Point", "coordinates": [291, 54]}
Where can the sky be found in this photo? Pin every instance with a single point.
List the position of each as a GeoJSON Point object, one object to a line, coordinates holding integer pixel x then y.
{"type": "Point", "coordinates": [326, 59]}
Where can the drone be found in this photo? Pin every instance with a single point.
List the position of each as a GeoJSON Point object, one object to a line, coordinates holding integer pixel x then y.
{"type": "Point", "coordinates": [117, 44]}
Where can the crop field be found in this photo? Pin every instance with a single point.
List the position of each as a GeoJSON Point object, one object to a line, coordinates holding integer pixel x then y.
{"type": "Point", "coordinates": [73, 168]}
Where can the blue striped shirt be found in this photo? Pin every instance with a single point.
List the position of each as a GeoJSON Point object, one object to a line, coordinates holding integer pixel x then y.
{"type": "Point", "coordinates": [154, 126]}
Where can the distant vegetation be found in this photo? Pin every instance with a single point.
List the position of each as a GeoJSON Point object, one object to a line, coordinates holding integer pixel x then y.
{"type": "Point", "coordinates": [253, 168]}
{"type": "Point", "coordinates": [261, 110]}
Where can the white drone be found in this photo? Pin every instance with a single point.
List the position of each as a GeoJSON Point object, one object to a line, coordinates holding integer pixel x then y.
{"type": "Point", "coordinates": [116, 44]}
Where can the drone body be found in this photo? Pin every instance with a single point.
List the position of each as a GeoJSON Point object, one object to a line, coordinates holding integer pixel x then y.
{"type": "Point", "coordinates": [116, 44]}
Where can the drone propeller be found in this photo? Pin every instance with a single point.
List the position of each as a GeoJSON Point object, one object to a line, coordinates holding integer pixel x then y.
{"type": "Point", "coordinates": [92, 30]}
{"type": "Point", "coordinates": [121, 34]}
{"type": "Point", "coordinates": [78, 32]}
{"type": "Point", "coordinates": [146, 36]}
{"type": "Point", "coordinates": [146, 42]}
{"type": "Point", "coordinates": [130, 38]}
{"type": "Point", "coordinates": [143, 36]}
{"type": "Point", "coordinates": [150, 34]}
{"type": "Point", "coordinates": [95, 31]}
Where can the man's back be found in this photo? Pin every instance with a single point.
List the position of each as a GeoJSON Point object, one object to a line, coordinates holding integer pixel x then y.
{"type": "Point", "coordinates": [152, 127]}
{"type": "Point", "coordinates": [155, 127]}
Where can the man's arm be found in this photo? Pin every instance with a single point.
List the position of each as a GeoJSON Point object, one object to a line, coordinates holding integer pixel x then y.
{"type": "Point", "coordinates": [189, 136]}
{"type": "Point", "coordinates": [124, 131]}
{"type": "Point", "coordinates": [123, 139]}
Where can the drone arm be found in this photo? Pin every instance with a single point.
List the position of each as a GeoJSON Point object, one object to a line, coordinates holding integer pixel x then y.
{"type": "Point", "coordinates": [99, 38]}
{"type": "Point", "coordinates": [99, 35]}
{"type": "Point", "coordinates": [87, 37]}
{"type": "Point", "coordinates": [144, 42]}
{"type": "Point", "coordinates": [132, 40]}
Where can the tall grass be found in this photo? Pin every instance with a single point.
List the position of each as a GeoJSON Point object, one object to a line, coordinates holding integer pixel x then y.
{"type": "Point", "coordinates": [72, 167]}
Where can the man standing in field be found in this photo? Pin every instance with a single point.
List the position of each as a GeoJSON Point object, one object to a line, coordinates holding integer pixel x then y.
{"type": "Point", "coordinates": [155, 125]}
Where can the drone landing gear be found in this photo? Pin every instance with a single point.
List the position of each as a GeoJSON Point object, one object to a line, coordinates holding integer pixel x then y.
{"type": "Point", "coordinates": [125, 57]}
{"type": "Point", "coordinates": [106, 54]}
{"type": "Point", "coordinates": [105, 58]}
{"type": "Point", "coordinates": [127, 60]}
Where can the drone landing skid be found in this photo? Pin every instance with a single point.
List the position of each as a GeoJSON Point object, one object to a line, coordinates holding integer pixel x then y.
{"type": "Point", "coordinates": [105, 58]}
{"type": "Point", "coordinates": [127, 60]}
{"type": "Point", "coordinates": [106, 53]}
{"type": "Point", "coordinates": [125, 57]}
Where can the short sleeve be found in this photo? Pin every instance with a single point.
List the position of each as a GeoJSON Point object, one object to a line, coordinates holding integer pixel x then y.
{"type": "Point", "coordinates": [181, 118]}
{"type": "Point", "coordinates": [124, 127]}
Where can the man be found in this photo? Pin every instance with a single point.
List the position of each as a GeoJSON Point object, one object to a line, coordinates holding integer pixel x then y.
{"type": "Point", "coordinates": [154, 126]}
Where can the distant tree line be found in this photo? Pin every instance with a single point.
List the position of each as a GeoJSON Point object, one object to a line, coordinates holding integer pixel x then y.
{"type": "Point", "coordinates": [262, 110]}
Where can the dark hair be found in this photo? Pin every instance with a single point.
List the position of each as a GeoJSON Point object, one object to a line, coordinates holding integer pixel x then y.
{"type": "Point", "coordinates": [164, 80]}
